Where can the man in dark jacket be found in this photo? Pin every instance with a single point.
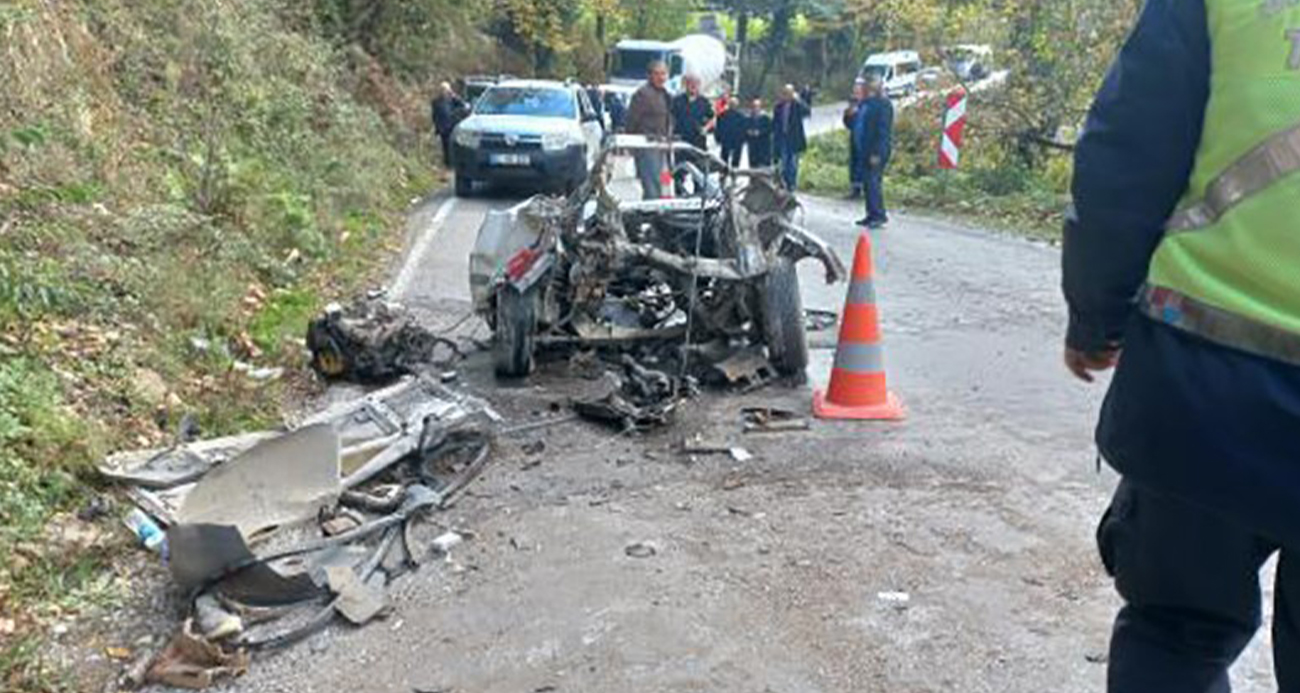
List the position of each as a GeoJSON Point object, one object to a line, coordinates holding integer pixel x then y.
{"type": "Point", "coordinates": [850, 117]}
{"type": "Point", "coordinates": [650, 114]}
{"type": "Point", "coordinates": [788, 134]}
{"type": "Point", "coordinates": [758, 135]}
{"type": "Point", "coordinates": [873, 135]}
{"type": "Point", "coordinates": [1202, 418]}
{"type": "Point", "coordinates": [447, 109]}
{"type": "Point", "coordinates": [692, 121]}
{"type": "Point", "coordinates": [730, 132]}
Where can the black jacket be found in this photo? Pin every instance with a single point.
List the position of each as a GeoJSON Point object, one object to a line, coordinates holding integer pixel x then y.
{"type": "Point", "coordinates": [758, 138]}
{"type": "Point", "coordinates": [690, 115]}
{"type": "Point", "coordinates": [1186, 417]}
{"type": "Point", "coordinates": [447, 111]}
{"type": "Point", "coordinates": [787, 126]}
{"type": "Point", "coordinates": [730, 131]}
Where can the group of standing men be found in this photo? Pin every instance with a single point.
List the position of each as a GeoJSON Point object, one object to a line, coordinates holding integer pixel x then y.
{"type": "Point", "coordinates": [870, 120]}
{"type": "Point", "coordinates": [690, 117]}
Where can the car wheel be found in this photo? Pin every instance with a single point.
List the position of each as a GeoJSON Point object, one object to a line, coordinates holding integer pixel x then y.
{"type": "Point", "coordinates": [464, 186]}
{"type": "Point", "coordinates": [516, 327]}
{"type": "Point", "coordinates": [782, 319]}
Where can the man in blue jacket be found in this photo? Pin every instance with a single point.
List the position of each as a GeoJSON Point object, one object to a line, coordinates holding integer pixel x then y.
{"type": "Point", "coordinates": [1181, 252]}
{"type": "Point", "coordinates": [873, 137]}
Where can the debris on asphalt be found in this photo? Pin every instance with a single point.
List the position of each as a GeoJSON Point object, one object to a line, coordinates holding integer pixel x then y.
{"type": "Point", "coordinates": [374, 340]}
{"type": "Point", "coordinates": [819, 320]}
{"type": "Point", "coordinates": [214, 621]}
{"type": "Point", "coordinates": [190, 661]}
{"type": "Point", "coordinates": [772, 420]}
{"type": "Point", "coordinates": [358, 602]}
{"type": "Point", "coordinates": [533, 448]}
{"type": "Point", "coordinates": [640, 398]}
{"type": "Point", "coordinates": [640, 550]}
{"type": "Point", "coordinates": [299, 526]}
{"type": "Point", "coordinates": [697, 445]}
{"type": "Point", "coordinates": [445, 542]}
{"type": "Point", "coordinates": [896, 600]}
{"type": "Point", "coordinates": [747, 369]}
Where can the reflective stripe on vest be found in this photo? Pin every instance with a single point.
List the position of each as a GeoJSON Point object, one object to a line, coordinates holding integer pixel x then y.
{"type": "Point", "coordinates": [1228, 267]}
{"type": "Point", "coordinates": [1220, 326]}
{"type": "Point", "coordinates": [1267, 164]}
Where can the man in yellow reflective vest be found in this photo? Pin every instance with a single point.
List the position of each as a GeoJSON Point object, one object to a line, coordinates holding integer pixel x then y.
{"type": "Point", "coordinates": [1182, 271]}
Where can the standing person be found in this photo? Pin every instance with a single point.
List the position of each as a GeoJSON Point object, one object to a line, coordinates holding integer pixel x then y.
{"type": "Point", "coordinates": [1181, 252]}
{"type": "Point", "coordinates": [650, 114]}
{"type": "Point", "coordinates": [807, 93]}
{"type": "Point", "coordinates": [723, 102]}
{"type": "Point", "coordinates": [758, 135]}
{"type": "Point", "coordinates": [597, 101]}
{"type": "Point", "coordinates": [873, 135]}
{"type": "Point", "coordinates": [446, 110]}
{"type": "Point", "coordinates": [730, 133]}
{"type": "Point", "coordinates": [856, 166]}
{"type": "Point", "coordinates": [692, 120]}
{"type": "Point", "coordinates": [617, 112]}
{"type": "Point", "coordinates": [788, 134]}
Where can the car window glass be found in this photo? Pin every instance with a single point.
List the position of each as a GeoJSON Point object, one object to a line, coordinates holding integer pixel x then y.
{"type": "Point", "coordinates": [541, 102]}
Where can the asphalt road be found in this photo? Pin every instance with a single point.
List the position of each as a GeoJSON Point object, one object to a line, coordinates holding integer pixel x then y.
{"type": "Point", "coordinates": [783, 573]}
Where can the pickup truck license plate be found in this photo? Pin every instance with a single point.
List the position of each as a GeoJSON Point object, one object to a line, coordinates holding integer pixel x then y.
{"type": "Point", "coordinates": [508, 159]}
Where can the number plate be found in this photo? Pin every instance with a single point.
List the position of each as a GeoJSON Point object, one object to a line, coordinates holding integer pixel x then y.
{"type": "Point", "coordinates": [509, 159]}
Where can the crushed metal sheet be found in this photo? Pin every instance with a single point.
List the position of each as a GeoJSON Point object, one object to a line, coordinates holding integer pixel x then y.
{"type": "Point", "coordinates": [190, 661]}
{"type": "Point", "coordinates": [202, 554]}
{"type": "Point", "coordinates": [180, 464]}
{"type": "Point", "coordinates": [276, 482]}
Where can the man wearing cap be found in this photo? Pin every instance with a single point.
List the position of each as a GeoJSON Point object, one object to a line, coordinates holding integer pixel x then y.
{"type": "Point", "coordinates": [1182, 272]}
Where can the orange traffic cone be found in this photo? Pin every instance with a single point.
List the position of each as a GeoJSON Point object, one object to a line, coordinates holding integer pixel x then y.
{"type": "Point", "coordinates": [857, 389]}
{"type": "Point", "coordinates": [666, 184]}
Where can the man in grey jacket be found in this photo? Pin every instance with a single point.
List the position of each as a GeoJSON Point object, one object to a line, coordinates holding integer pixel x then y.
{"type": "Point", "coordinates": [650, 114]}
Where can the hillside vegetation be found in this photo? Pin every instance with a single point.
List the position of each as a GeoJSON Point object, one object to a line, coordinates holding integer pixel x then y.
{"type": "Point", "coordinates": [182, 183]}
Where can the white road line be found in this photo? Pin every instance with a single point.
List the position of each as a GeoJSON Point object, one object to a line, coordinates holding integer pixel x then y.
{"type": "Point", "coordinates": [421, 247]}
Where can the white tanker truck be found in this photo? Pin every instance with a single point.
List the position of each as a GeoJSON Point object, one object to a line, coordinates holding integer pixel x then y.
{"type": "Point", "coordinates": [700, 55]}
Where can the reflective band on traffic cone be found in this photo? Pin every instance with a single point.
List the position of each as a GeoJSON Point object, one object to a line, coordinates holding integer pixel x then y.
{"type": "Point", "coordinates": [666, 184]}
{"type": "Point", "coordinates": [857, 389]}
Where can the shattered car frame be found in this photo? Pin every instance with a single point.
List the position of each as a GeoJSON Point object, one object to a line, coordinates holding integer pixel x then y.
{"type": "Point", "coordinates": [714, 267]}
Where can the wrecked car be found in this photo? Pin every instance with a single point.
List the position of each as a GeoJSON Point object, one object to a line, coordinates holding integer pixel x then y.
{"type": "Point", "coordinates": [708, 273]}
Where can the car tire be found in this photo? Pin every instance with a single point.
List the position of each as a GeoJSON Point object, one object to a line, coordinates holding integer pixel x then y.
{"type": "Point", "coordinates": [783, 320]}
{"type": "Point", "coordinates": [516, 328]}
{"type": "Point", "coordinates": [464, 186]}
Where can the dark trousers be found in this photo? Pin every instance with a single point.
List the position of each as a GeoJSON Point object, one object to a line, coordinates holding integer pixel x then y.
{"type": "Point", "coordinates": [1190, 582]}
{"type": "Point", "coordinates": [875, 184]}
{"type": "Point", "coordinates": [789, 167]}
{"type": "Point", "coordinates": [856, 166]}
{"type": "Point", "coordinates": [445, 139]}
{"type": "Point", "coordinates": [731, 154]}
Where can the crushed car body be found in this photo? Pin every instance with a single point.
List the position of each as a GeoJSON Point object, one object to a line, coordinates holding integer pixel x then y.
{"type": "Point", "coordinates": [713, 267]}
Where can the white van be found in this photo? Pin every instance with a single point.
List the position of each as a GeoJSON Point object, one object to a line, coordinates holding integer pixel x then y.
{"type": "Point", "coordinates": [897, 70]}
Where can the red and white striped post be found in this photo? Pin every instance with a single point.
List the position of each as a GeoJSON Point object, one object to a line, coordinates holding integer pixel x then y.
{"type": "Point", "coordinates": [954, 125]}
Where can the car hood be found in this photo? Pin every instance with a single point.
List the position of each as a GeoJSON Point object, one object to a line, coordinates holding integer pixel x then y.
{"type": "Point", "coordinates": [518, 125]}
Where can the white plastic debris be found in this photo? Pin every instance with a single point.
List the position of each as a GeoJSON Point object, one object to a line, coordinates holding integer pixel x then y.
{"type": "Point", "coordinates": [898, 600]}
{"type": "Point", "coordinates": [446, 541]}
